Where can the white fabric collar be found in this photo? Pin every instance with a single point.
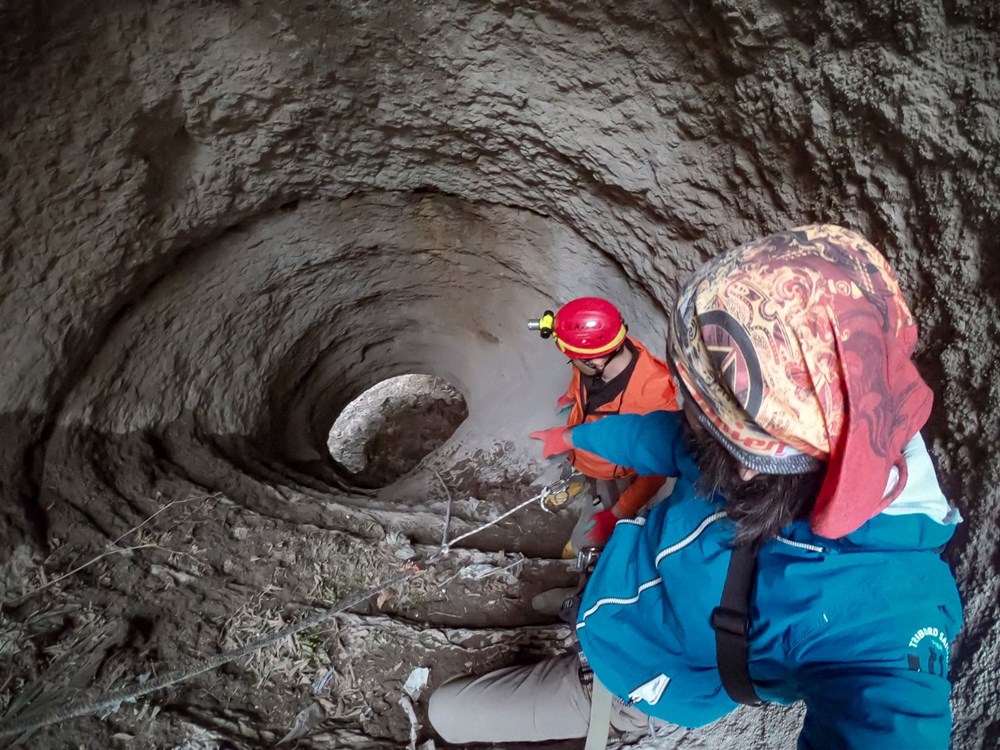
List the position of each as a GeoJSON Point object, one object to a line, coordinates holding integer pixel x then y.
{"type": "Point", "coordinates": [922, 493]}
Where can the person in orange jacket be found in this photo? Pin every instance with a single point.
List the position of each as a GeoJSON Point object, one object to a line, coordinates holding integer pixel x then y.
{"type": "Point", "coordinates": [612, 374]}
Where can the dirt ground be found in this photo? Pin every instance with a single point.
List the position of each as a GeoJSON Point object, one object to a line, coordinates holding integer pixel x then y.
{"type": "Point", "coordinates": [65, 625]}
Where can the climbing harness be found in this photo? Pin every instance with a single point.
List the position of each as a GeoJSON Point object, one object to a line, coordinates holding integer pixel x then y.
{"type": "Point", "coordinates": [30, 721]}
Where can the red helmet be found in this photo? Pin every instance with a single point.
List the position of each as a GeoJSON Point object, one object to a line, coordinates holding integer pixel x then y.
{"type": "Point", "coordinates": [588, 327]}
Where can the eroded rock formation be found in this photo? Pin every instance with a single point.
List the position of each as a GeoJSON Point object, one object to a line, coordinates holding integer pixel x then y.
{"type": "Point", "coordinates": [222, 222]}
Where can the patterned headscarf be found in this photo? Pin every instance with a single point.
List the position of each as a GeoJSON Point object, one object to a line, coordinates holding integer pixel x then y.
{"type": "Point", "coordinates": [796, 350]}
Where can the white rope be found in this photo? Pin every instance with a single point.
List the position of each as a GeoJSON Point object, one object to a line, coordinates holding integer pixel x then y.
{"type": "Point", "coordinates": [446, 548]}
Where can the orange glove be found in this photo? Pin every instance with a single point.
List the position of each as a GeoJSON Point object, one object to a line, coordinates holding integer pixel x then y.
{"type": "Point", "coordinates": [554, 440]}
{"type": "Point", "coordinates": [637, 494]}
{"type": "Point", "coordinates": [600, 527]}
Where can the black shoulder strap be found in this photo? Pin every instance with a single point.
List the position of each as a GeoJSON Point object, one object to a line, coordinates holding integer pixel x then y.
{"type": "Point", "coordinates": [731, 623]}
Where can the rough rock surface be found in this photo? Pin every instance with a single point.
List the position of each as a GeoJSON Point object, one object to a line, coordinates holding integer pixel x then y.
{"type": "Point", "coordinates": [222, 222]}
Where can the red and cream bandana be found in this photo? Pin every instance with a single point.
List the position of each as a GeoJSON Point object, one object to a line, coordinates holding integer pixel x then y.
{"type": "Point", "coordinates": [796, 348]}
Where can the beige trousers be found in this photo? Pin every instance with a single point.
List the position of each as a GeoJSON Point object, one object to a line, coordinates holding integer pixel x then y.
{"type": "Point", "coordinates": [543, 701]}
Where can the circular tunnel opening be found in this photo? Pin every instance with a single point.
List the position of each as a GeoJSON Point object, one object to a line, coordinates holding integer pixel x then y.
{"type": "Point", "coordinates": [387, 430]}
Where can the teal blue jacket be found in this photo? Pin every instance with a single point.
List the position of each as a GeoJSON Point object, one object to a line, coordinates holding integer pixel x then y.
{"type": "Point", "coordinates": [859, 628]}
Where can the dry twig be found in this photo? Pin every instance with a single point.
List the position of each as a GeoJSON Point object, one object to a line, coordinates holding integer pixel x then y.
{"type": "Point", "coordinates": [447, 514]}
{"type": "Point", "coordinates": [77, 569]}
{"type": "Point", "coordinates": [117, 551]}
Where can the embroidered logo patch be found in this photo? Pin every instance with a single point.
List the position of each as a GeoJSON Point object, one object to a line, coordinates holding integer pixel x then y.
{"type": "Point", "coordinates": [928, 652]}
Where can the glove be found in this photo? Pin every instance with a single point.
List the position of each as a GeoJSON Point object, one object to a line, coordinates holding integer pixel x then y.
{"type": "Point", "coordinates": [601, 526]}
{"type": "Point", "coordinates": [554, 441]}
{"type": "Point", "coordinates": [564, 403]}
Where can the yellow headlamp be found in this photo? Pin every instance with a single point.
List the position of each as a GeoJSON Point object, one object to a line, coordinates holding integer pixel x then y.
{"type": "Point", "coordinates": [543, 324]}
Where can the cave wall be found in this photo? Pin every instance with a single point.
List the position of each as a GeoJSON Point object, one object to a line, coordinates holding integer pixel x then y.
{"type": "Point", "coordinates": [221, 222]}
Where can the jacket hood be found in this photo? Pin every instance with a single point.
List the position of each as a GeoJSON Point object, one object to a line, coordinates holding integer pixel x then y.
{"type": "Point", "coordinates": [919, 518]}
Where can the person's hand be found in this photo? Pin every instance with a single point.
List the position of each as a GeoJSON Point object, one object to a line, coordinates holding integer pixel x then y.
{"type": "Point", "coordinates": [554, 440]}
{"type": "Point", "coordinates": [598, 530]}
{"type": "Point", "coordinates": [563, 404]}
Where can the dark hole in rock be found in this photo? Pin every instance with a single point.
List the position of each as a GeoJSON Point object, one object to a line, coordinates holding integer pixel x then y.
{"type": "Point", "coordinates": [387, 430]}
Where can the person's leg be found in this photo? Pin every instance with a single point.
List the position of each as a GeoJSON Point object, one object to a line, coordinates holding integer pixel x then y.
{"type": "Point", "coordinates": [629, 719]}
{"type": "Point", "coordinates": [544, 701]}
{"type": "Point", "coordinates": [554, 602]}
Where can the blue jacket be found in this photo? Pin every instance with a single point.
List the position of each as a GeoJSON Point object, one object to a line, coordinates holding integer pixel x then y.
{"type": "Point", "coordinates": [858, 627]}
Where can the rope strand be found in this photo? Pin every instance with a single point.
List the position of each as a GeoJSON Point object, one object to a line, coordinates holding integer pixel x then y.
{"type": "Point", "coordinates": [447, 547]}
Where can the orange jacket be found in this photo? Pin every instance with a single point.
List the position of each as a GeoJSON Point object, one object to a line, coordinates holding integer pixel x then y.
{"type": "Point", "coordinates": [649, 388]}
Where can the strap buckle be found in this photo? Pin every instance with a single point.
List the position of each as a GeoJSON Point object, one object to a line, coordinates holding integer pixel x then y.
{"type": "Point", "coordinates": [730, 621]}
{"type": "Point", "coordinates": [586, 559]}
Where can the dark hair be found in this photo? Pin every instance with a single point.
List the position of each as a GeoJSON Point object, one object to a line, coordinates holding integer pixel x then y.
{"type": "Point", "coordinates": [761, 506]}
